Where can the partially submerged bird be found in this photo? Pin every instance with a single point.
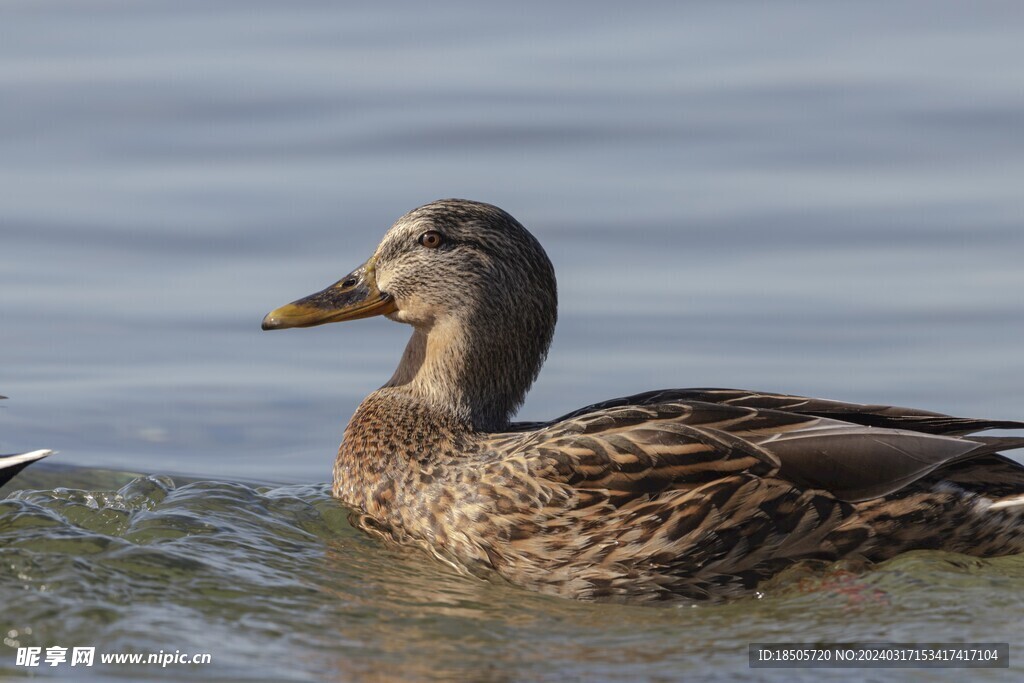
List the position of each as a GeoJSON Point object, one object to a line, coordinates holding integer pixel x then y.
{"type": "Point", "coordinates": [11, 464]}
{"type": "Point", "coordinates": [681, 493]}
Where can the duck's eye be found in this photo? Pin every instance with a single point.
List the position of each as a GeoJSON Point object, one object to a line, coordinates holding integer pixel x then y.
{"type": "Point", "coordinates": [431, 239]}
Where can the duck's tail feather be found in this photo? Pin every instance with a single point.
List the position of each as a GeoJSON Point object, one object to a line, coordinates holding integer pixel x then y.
{"type": "Point", "coordinates": [995, 444]}
{"type": "Point", "coordinates": [10, 465]}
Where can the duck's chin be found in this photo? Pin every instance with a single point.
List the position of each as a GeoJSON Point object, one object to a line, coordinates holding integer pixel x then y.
{"type": "Point", "coordinates": [414, 310]}
{"type": "Point", "coordinates": [407, 317]}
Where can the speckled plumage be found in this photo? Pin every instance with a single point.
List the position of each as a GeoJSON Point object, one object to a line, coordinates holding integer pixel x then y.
{"type": "Point", "coordinates": [690, 493]}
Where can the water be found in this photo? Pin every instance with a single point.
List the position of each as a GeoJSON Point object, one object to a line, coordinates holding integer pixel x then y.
{"type": "Point", "coordinates": [277, 586]}
{"type": "Point", "coordinates": [819, 199]}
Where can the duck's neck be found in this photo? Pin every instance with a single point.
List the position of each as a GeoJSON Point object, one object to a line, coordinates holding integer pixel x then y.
{"type": "Point", "coordinates": [473, 373]}
{"type": "Point", "coordinates": [446, 391]}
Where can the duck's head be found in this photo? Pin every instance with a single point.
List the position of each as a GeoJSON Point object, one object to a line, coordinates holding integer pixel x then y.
{"type": "Point", "coordinates": [478, 290]}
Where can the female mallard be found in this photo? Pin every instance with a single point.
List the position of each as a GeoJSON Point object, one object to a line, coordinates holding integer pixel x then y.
{"type": "Point", "coordinates": [691, 493]}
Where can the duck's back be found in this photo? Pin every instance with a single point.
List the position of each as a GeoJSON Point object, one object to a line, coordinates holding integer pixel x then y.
{"type": "Point", "coordinates": [701, 493]}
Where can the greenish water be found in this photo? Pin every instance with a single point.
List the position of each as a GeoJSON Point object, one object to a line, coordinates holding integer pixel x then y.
{"type": "Point", "coordinates": [275, 585]}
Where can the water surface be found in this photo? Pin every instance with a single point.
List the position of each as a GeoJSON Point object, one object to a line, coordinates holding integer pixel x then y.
{"type": "Point", "coordinates": [275, 584]}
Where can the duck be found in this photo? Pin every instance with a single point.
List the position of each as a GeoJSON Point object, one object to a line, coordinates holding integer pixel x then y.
{"type": "Point", "coordinates": [13, 463]}
{"type": "Point", "coordinates": [669, 495]}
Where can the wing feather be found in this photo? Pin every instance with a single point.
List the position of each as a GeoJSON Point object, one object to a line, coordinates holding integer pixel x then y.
{"type": "Point", "coordinates": [645, 444]}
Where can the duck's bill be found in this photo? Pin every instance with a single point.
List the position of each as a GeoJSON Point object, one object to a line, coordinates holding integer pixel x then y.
{"type": "Point", "coordinates": [353, 297]}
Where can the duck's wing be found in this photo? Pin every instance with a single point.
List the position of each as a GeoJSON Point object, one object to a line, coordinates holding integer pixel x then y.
{"type": "Point", "coordinates": [889, 417]}
{"type": "Point", "coordinates": [644, 445]}
{"type": "Point", "coordinates": [10, 465]}
{"type": "Point", "coordinates": [634, 451]}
